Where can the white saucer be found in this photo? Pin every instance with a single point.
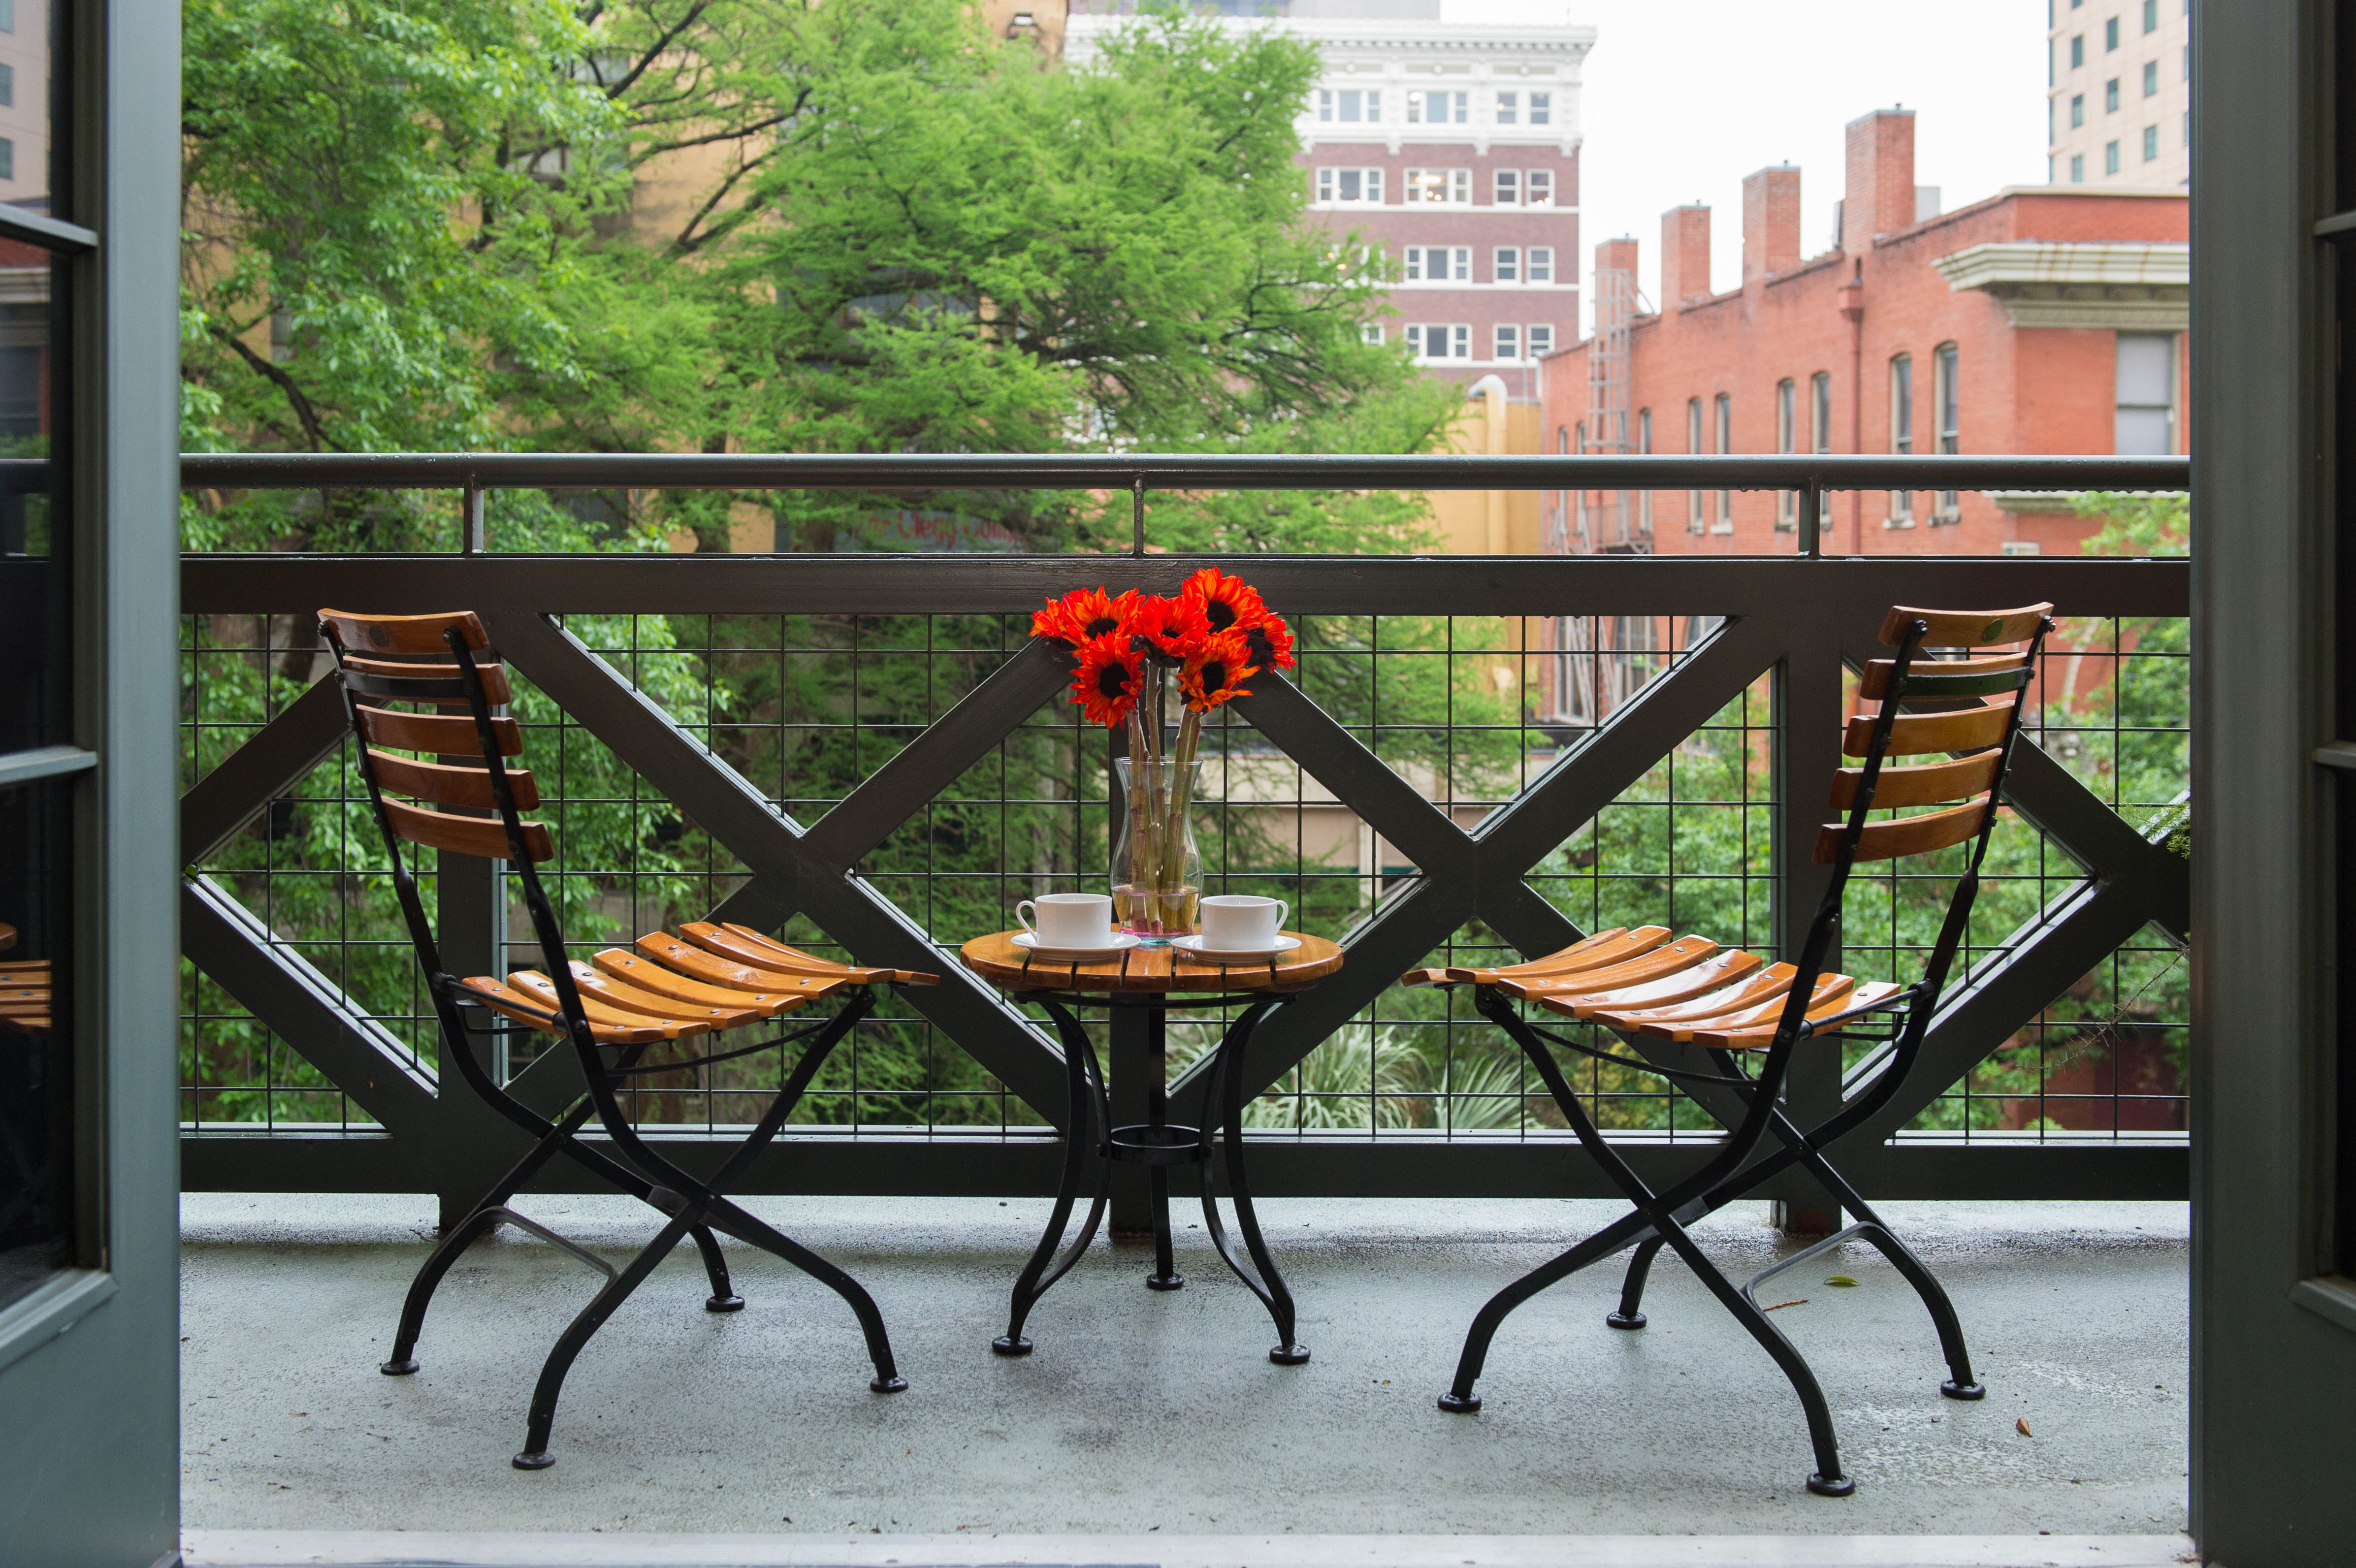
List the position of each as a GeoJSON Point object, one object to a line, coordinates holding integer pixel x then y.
{"type": "Point", "coordinates": [1192, 947]}
{"type": "Point", "coordinates": [1121, 942]}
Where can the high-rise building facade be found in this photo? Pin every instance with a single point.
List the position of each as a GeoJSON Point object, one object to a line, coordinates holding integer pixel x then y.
{"type": "Point", "coordinates": [2119, 92]}
{"type": "Point", "coordinates": [1452, 148]}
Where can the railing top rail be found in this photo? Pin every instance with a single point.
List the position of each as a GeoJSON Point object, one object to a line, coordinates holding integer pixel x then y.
{"type": "Point", "coordinates": [1060, 471]}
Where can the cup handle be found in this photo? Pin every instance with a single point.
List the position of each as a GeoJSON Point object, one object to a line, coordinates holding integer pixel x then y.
{"type": "Point", "coordinates": [1282, 909]}
{"type": "Point", "coordinates": [1027, 919]}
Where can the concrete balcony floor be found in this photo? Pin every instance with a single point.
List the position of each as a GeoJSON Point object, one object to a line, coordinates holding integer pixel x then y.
{"type": "Point", "coordinates": [1149, 1416]}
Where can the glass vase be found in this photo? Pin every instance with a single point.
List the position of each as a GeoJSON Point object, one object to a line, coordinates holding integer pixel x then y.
{"type": "Point", "coordinates": [1157, 872]}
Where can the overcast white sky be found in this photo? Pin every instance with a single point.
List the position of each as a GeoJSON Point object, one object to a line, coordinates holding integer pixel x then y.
{"type": "Point", "coordinates": [1683, 98]}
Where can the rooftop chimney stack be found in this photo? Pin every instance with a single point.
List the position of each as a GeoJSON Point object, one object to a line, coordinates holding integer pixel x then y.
{"type": "Point", "coordinates": [1770, 223]}
{"type": "Point", "coordinates": [1685, 256]}
{"type": "Point", "coordinates": [1610, 306]}
{"type": "Point", "coordinates": [1880, 195]}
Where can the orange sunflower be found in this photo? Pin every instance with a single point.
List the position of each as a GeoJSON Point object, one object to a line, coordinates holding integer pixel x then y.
{"type": "Point", "coordinates": [1217, 675]}
{"type": "Point", "coordinates": [1083, 614]}
{"type": "Point", "coordinates": [1270, 641]}
{"type": "Point", "coordinates": [1172, 630]}
{"type": "Point", "coordinates": [1227, 603]}
{"type": "Point", "coordinates": [1111, 674]}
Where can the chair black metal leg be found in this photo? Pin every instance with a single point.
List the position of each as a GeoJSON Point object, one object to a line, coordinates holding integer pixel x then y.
{"type": "Point", "coordinates": [534, 1454]}
{"type": "Point", "coordinates": [1829, 1481]}
{"type": "Point", "coordinates": [1460, 1397]}
{"type": "Point", "coordinates": [1081, 1077]}
{"type": "Point", "coordinates": [1632, 1289]}
{"type": "Point", "coordinates": [745, 1227]}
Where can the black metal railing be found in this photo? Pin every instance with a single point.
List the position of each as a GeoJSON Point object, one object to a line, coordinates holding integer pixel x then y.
{"type": "Point", "coordinates": [1476, 755]}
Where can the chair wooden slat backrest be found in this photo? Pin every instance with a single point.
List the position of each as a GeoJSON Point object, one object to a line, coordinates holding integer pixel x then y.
{"type": "Point", "coordinates": [459, 793]}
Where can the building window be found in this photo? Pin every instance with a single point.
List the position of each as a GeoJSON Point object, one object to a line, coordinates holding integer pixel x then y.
{"type": "Point", "coordinates": [2151, 15]}
{"type": "Point", "coordinates": [1509, 107]}
{"type": "Point", "coordinates": [7, 86]}
{"type": "Point", "coordinates": [1509, 345]}
{"type": "Point", "coordinates": [2187, 127]}
{"type": "Point", "coordinates": [1541, 263]}
{"type": "Point", "coordinates": [1372, 332]}
{"type": "Point", "coordinates": [2078, 51]}
{"type": "Point", "coordinates": [2077, 110]}
{"type": "Point", "coordinates": [7, 159]}
{"type": "Point", "coordinates": [1786, 430]}
{"type": "Point", "coordinates": [1439, 264]}
{"type": "Point", "coordinates": [1541, 108]}
{"type": "Point", "coordinates": [1541, 340]}
{"type": "Point", "coordinates": [1508, 269]}
{"type": "Point", "coordinates": [1359, 186]}
{"type": "Point", "coordinates": [2188, 62]}
{"type": "Point", "coordinates": [1350, 106]}
{"type": "Point", "coordinates": [2110, 157]}
{"type": "Point", "coordinates": [2150, 142]}
{"type": "Point", "coordinates": [7, 16]}
{"type": "Point", "coordinates": [2110, 34]}
{"type": "Point", "coordinates": [1902, 434]}
{"type": "Point", "coordinates": [2111, 96]}
{"type": "Point", "coordinates": [1438, 108]}
{"type": "Point", "coordinates": [1725, 520]}
{"type": "Point", "coordinates": [1645, 497]}
{"type": "Point", "coordinates": [1509, 189]}
{"type": "Point", "coordinates": [2146, 425]}
{"type": "Point", "coordinates": [1440, 186]}
{"type": "Point", "coordinates": [2151, 79]}
{"type": "Point", "coordinates": [1947, 405]}
{"type": "Point", "coordinates": [1820, 411]}
{"type": "Point", "coordinates": [1438, 341]}
{"type": "Point", "coordinates": [2077, 168]}
{"type": "Point", "coordinates": [1694, 520]}
{"type": "Point", "coordinates": [1541, 187]}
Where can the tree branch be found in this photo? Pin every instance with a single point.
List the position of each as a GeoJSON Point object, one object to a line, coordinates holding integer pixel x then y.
{"type": "Point", "coordinates": [296, 398]}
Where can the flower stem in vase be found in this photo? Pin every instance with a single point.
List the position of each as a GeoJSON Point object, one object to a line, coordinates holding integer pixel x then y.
{"type": "Point", "coordinates": [1134, 900]}
{"type": "Point", "coordinates": [1177, 900]}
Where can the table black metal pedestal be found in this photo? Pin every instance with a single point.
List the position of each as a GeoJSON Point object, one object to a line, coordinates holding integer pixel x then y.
{"type": "Point", "coordinates": [1158, 1145]}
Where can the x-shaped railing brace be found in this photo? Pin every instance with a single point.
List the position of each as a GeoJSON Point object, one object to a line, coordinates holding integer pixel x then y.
{"type": "Point", "coordinates": [1465, 875]}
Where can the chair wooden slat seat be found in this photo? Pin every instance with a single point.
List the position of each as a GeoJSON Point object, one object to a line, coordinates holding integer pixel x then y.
{"type": "Point", "coordinates": [1953, 693]}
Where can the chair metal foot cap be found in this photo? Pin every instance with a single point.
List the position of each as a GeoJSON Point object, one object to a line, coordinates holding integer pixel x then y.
{"type": "Point", "coordinates": [533, 1459]}
{"type": "Point", "coordinates": [1165, 1282]}
{"type": "Point", "coordinates": [731, 1303]}
{"type": "Point", "coordinates": [1459, 1403]}
{"type": "Point", "coordinates": [888, 1385]}
{"type": "Point", "coordinates": [1011, 1345]}
{"type": "Point", "coordinates": [1288, 1355]}
{"type": "Point", "coordinates": [396, 1369]}
{"type": "Point", "coordinates": [1624, 1320]}
{"type": "Point", "coordinates": [1838, 1486]}
{"type": "Point", "coordinates": [1954, 1390]}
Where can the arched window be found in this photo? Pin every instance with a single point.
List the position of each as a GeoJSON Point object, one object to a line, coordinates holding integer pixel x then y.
{"type": "Point", "coordinates": [1901, 434]}
{"type": "Point", "coordinates": [1694, 522]}
{"type": "Point", "coordinates": [1820, 411]}
{"type": "Point", "coordinates": [1787, 398]}
{"type": "Point", "coordinates": [1724, 523]}
{"type": "Point", "coordinates": [1946, 405]}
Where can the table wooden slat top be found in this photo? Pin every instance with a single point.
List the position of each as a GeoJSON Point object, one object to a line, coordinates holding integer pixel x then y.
{"type": "Point", "coordinates": [1149, 969]}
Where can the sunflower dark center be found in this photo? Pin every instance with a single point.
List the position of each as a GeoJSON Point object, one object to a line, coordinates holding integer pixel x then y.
{"type": "Point", "coordinates": [1101, 624]}
{"type": "Point", "coordinates": [1214, 676]}
{"type": "Point", "coordinates": [1222, 614]}
{"type": "Point", "coordinates": [1113, 680]}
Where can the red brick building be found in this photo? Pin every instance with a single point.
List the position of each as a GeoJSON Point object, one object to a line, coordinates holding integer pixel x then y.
{"type": "Point", "coordinates": [2045, 319]}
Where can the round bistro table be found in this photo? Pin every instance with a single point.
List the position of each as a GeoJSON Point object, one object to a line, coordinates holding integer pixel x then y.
{"type": "Point", "coordinates": [1154, 980]}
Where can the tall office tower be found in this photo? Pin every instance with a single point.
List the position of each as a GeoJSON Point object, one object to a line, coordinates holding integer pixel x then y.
{"type": "Point", "coordinates": [2119, 92]}
{"type": "Point", "coordinates": [1454, 149]}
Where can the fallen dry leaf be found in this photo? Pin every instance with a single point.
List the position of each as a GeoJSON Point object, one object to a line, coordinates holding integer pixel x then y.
{"type": "Point", "coordinates": [2021, 1425]}
{"type": "Point", "coordinates": [1801, 1301]}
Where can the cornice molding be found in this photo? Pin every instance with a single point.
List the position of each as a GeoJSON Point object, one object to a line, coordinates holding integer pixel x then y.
{"type": "Point", "coordinates": [2119, 285]}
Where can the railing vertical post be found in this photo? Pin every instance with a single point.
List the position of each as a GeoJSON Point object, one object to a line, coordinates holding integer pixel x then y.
{"type": "Point", "coordinates": [470, 519]}
{"type": "Point", "coordinates": [1808, 720]}
{"type": "Point", "coordinates": [1137, 520]}
{"type": "Point", "coordinates": [1812, 519]}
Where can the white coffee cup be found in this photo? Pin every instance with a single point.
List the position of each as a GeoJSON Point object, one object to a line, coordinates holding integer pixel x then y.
{"type": "Point", "coordinates": [1242, 923]}
{"type": "Point", "coordinates": [1070, 921]}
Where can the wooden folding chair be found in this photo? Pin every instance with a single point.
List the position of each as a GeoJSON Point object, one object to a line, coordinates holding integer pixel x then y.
{"type": "Point", "coordinates": [1738, 1009]}
{"type": "Point", "coordinates": [614, 1009]}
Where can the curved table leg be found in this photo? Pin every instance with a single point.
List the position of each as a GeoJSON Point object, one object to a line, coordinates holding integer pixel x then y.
{"type": "Point", "coordinates": [1223, 1098]}
{"type": "Point", "coordinates": [1087, 1099]}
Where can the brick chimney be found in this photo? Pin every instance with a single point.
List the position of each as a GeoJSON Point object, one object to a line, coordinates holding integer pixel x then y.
{"type": "Point", "coordinates": [1880, 195]}
{"type": "Point", "coordinates": [1613, 301]}
{"type": "Point", "coordinates": [1684, 255]}
{"type": "Point", "coordinates": [1770, 222]}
